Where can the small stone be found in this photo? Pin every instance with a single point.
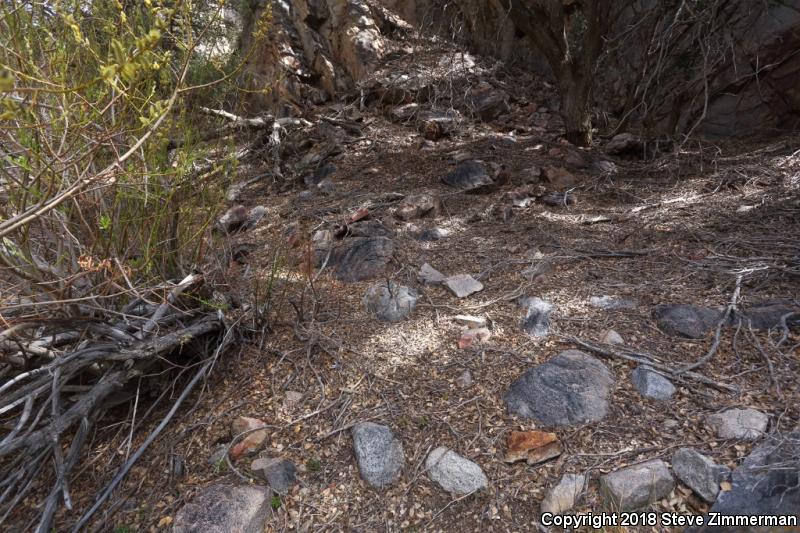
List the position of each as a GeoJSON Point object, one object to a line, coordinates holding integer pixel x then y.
{"type": "Point", "coordinates": [280, 473]}
{"type": "Point", "coordinates": [429, 275]}
{"type": "Point", "coordinates": [305, 196]}
{"type": "Point", "coordinates": [743, 424]}
{"type": "Point", "coordinates": [461, 156]}
{"type": "Point", "coordinates": [651, 384]}
{"type": "Point", "coordinates": [532, 446]}
{"type": "Point", "coordinates": [233, 219]}
{"type": "Point", "coordinates": [565, 495]}
{"type": "Point", "coordinates": [218, 455]}
{"type": "Point", "coordinates": [690, 321]}
{"type": "Point", "coordinates": [225, 509]}
{"type": "Point", "coordinates": [612, 337]}
{"type": "Point", "coordinates": [418, 206]}
{"type": "Point", "coordinates": [462, 285]}
{"type": "Point", "coordinates": [390, 302]}
{"type": "Point", "coordinates": [464, 380]}
{"type": "Point", "coordinates": [537, 317]}
{"type": "Point", "coordinates": [326, 186]}
{"type": "Point", "coordinates": [531, 175]}
{"type": "Point", "coordinates": [252, 441]}
{"type": "Point", "coordinates": [623, 143]}
{"type": "Point", "coordinates": [699, 473]}
{"type": "Point", "coordinates": [637, 486]}
{"type": "Point", "coordinates": [557, 199]}
{"type": "Point", "coordinates": [571, 388]}
{"type": "Point", "coordinates": [379, 454]}
{"type": "Point", "coordinates": [455, 473]}
{"type": "Point", "coordinates": [472, 336]}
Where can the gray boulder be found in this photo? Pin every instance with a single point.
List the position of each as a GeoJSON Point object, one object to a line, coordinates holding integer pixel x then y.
{"type": "Point", "coordinates": [637, 486]}
{"type": "Point", "coordinates": [699, 473]}
{"type": "Point", "coordinates": [537, 317]}
{"type": "Point", "coordinates": [280, 473]}
{"type": "Point", "coordinates": [651, 384]}
{"type": "Point", "coordinates": [769, 315]}
{"type": "Point", "coordinates": [690, 321]}
{"type": "Point", "coordinates": [743, 424]}
{"type": "Point", "coordinates": [564, 496]}
{"type": "Point", "coordinates": [390, 302]}
{"type": "Point", "coordinates": [571, 388]}
{"type": "Point", "coordinates": [361, 258]}
{"type": "Point", "coordinates": [767, 482]}
{"type": "Point", "coordinates": [379, 454]}
{"type": "Point", "coordinates": [225, 509]}
{"type": "Point", "coordinates": [455, 473]}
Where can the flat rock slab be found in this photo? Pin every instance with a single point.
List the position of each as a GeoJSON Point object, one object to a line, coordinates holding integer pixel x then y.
{"type": "Point", "coordinates": [455, 473]}
{"type": "Point", "coordinates": [767, 482]}
{"type": "Point", "coordinates": [571, 388]}
{"type": "Point", "coordinates": [537, 317]}
{"type": "Point", "coordinates": [534, 447]}
{"type": "Point", "coordinates": [637, 486]}
{"type": "Point", "coordinates": [691, 321]}
{"type": "Point", "coordinates": [379, 454]}
{"type": "Point", "coordinates": [429, 275]}
{"type": "Point", "coordinates": [280, 473]}
{"type": "Point", "coordinates": [390, 302]}
{"type": "Point", "coordinates": [361, 258]}
{"type": "Point", "coordinates": [743, 424]}
{"type": "Point", "coordinates": [651, 384]}
{"type": "Point", "coordinates": [463, 285]}
{"type": "Point", "coordinates": [225, 509]}
{"type": "Point", "coordinates": [469, 176]}
{"type": "Point", "coordinates": [699, 473]}
{"type": "Point", "coordinates": [565, 495]}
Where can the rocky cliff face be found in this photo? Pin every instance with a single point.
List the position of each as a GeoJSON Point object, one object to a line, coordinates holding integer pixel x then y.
{"type": "Point", "coordinates": [733, 71]}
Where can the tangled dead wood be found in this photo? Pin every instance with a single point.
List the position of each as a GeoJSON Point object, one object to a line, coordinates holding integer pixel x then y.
{"type": "Point", "coordinates": [58, 386]}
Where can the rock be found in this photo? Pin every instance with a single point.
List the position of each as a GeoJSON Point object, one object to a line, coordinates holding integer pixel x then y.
{"type": "Point", "coordinates": [559, 178]}
{"type": "Point", "coordinates": [768, 480]}
{"type": "Point", "coordinates": [313, 179]}
{"type": "Point", "coordinates": [361, 258]}
{"type": "Point", "coordinates": [326, 186]}
{"type": "Point", "coordinates": [462, 285]}
{"type": "Point", "coordinates": [699, 473]}
{"type": "Point", "coordinates": [429, 275]}
{"type": "Point", "coordinates": [690, 321]}
{"type": "Point", "coordinates": [520, 197]}
{"type": "Point", "coordinates": [609, 303]}
{"type": "Point", "coordinates": [390, 303]}
{"type": "Point", "coordinates": [454, 473]}
{"type": "Point", "coordinates": [469, 176]}
{"type": "Point", "coordinates": [462, 155]}
{"type": "Point", "coordinates": [464, 380]}
{"type": "Point", "coordinates": [254, 216]}
{"type": "Point", "coordinates": [305, 196]}
{"type": "Point", "coordinates": [471, 321]}
{"type": "Point", "coordinates": [624, 143]}
{"type": "Point", "coordinates": [233, 219]}
{"type": "Point", "coordinates": [379, 454]}
{"type": "Point", "coordinates": [225, 509]}
{"type": "Point", "coordinates": [651, 384]}
{"type": "Point", "coordinates": [565, 495]}
{"type": "Point", "coordinates": [472, 336]}
{"type": "Point", "coordinates": [531, 175]}
{"type": "Point", "coordinates": [612, 337]}
{"type": "Point", "coordinates": [405, 112]}
{"type": "Point", "coordinates": [537, 316]}
{"type": "Point", "coordinates": [250, 442]}
{"type": "Point", "coordinates": [418, 206]}
{"type": "Point", "coordinates": [280, 473]}
{"type": "Point", "coordinates": [768, 315]}
{"type": "Point", "coordinates": [637, 486]}
{"type": "Point", "coordinates": [571, 388]}
{"type": "Point", "coordinates": [534, 447]}
{"type": "Point", "coordinates": [322, 244]}
{"type": "Point", "coordinates": [436, 124]}
{"type": "Point", "coordinates": [743, 424]}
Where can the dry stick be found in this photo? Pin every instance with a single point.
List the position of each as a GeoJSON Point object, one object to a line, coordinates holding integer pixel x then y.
{"type": "Point", "coordinates": [608, 352]}
{"type": "Point", "coordinates": [718, 334]}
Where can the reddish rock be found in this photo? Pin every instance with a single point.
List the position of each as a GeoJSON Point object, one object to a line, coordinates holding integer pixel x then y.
{"type": "Point", "coordinates": [532, 446]}
{"type": "Point", "coordinates": [472, 336]}
{"type": "Point", "coordinates": [250, 442]}
{"type": "Point", "coordinates": [360, 214]}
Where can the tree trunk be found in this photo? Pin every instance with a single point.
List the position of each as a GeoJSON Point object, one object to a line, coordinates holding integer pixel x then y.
{"type": "Point", "coordinates": [575, 110]}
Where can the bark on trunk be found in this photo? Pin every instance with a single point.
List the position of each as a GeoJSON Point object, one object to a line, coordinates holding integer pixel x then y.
{"type": "Point", "coordinates": [575, 111]}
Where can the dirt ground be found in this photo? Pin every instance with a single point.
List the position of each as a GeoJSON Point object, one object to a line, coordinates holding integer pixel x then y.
{"type": "Point", "coordinates": [676, 229]}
